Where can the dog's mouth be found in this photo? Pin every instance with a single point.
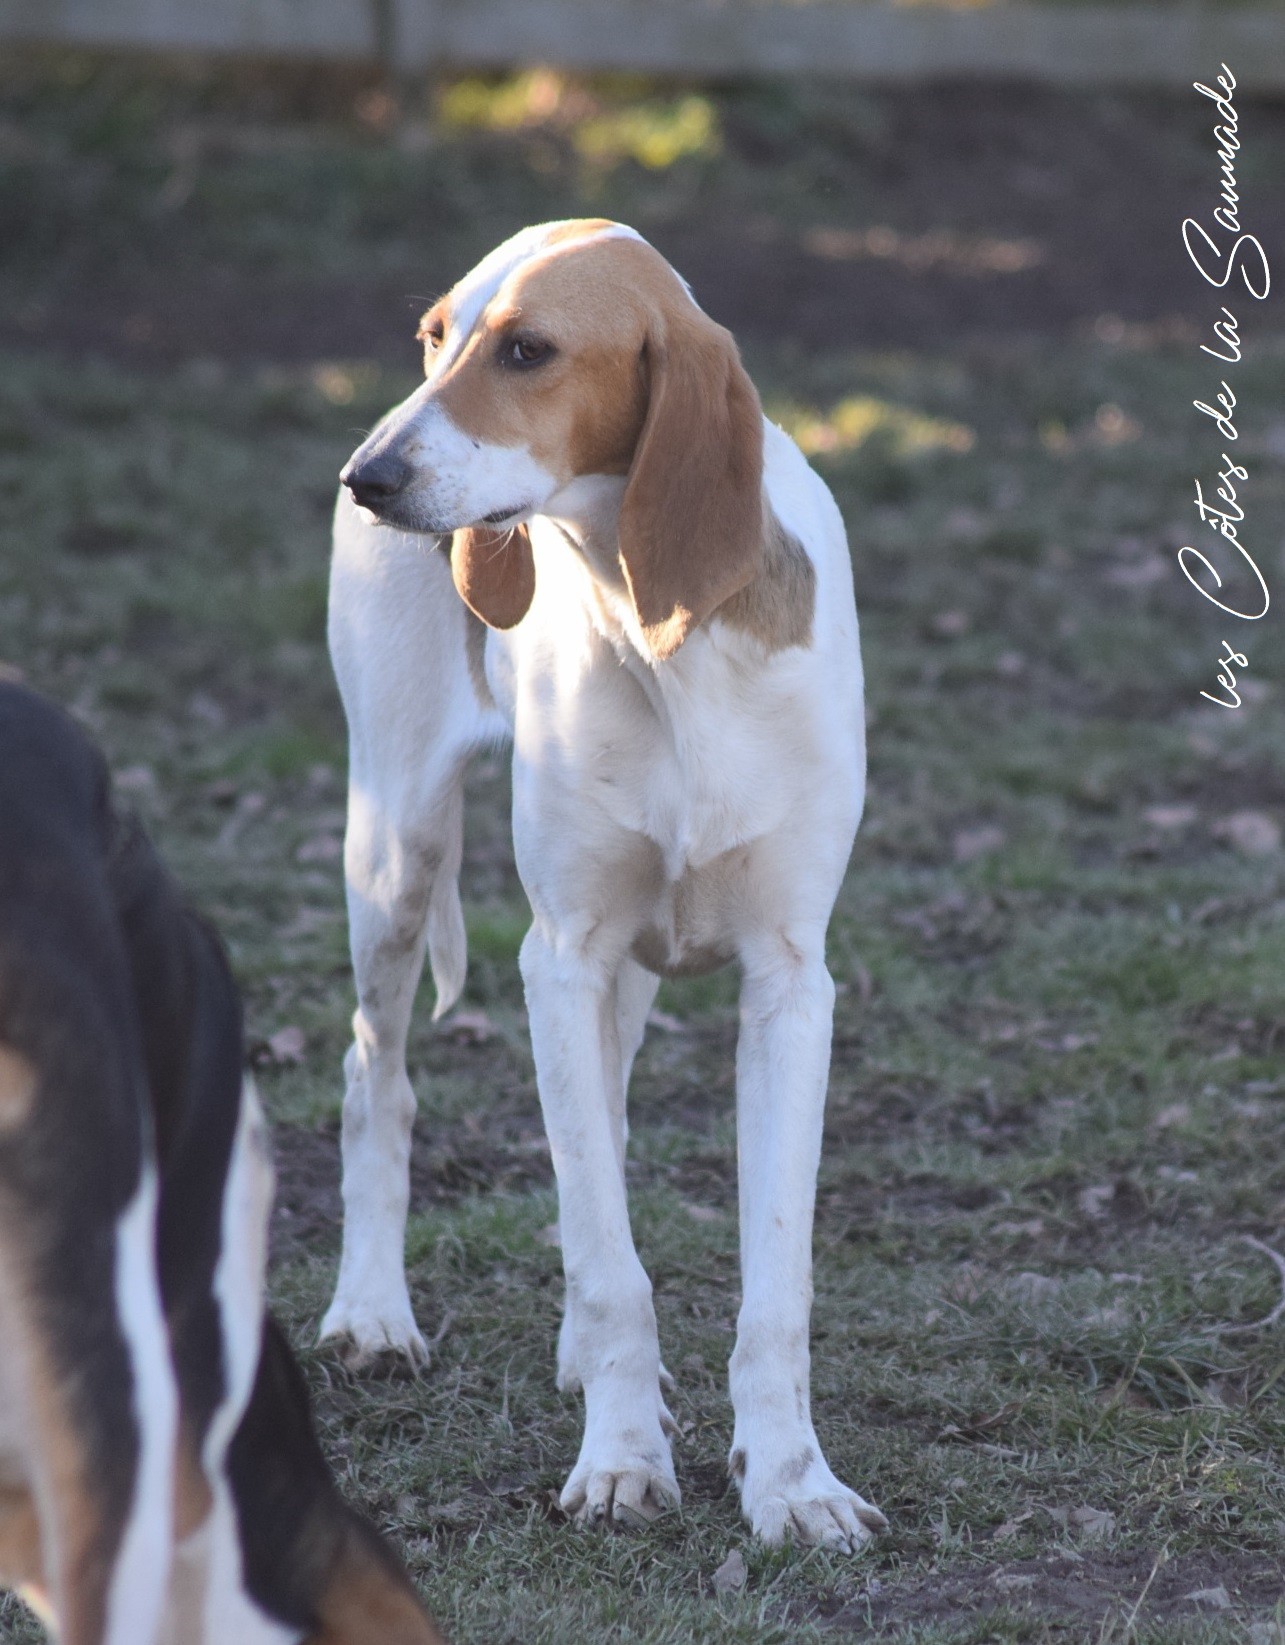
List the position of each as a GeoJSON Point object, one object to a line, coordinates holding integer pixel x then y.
{"type": "Point", "coordinates": [505, 516]}
{"type": "Point", "coordinates": [402, 514]}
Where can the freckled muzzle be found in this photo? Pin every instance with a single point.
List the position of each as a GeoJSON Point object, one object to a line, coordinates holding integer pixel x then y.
{"type": "Point", "coordinates": [420, 471]}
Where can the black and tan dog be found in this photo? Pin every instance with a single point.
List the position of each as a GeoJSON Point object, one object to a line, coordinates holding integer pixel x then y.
{"type": "Point", "coordinates": [160, 1481]}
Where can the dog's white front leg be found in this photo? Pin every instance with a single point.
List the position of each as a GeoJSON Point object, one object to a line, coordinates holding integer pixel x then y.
{"type": "Point", "coordinates": [624, 1470]}
{"type": "Point", "coordinates": [782, 1068]}
{"type": "Point", "coordinates": [634, 991]}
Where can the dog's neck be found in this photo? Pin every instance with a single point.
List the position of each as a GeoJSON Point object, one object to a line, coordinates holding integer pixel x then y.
{"type": "Point", "coordinates": [776, 608]}
{"type": "Point", "coordinates": [587, 514]}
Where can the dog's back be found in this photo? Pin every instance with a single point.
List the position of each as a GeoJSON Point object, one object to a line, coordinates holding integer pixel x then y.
{"type": "Point", "coordinates": [159, 1475]}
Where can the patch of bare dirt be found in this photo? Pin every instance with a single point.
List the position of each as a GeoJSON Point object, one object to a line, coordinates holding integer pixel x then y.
{"type": "Point", "coordinates": [1073, 1593]}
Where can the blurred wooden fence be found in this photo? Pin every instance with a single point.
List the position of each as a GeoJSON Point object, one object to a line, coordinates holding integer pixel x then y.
{"type": "Point", "coordinates": [876, 43]}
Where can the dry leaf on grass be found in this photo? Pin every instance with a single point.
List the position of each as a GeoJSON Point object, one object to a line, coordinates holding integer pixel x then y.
{"type": "Point", "coordinates": [1027, 1287]}
{"type": "Point", "coordinates": [1252, 833]}
{"type": "Point", "coordinates": [949, 625]}
{"type": "Point", "coordinates": [1094, 1201]}
{"type": "Point", "coordinates": [1091, 1524]}
{"type": "Point", "coordinates": [1212, 1599]}
{"type": "Point", "coordinates": [981, 1425]}
{"type": "Point", "coordinates": [1070, 1042]}
{"type": "Point", "coordinates": [1170, 816]}
{"type": "Point", "coordinates": [320, 848]}
{"type": "Point", "coordinates": [286, 1046]}
{"type": "Point", "coordinates": [971, 843]}
{"type": "Point", "coordinates": [1138, 574]}
{"type": "Point", "coordinates": [969, 1282]}
{"type": "Point", "coordinates": [731, 1576]}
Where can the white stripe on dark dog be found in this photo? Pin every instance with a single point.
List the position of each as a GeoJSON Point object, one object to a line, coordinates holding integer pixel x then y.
{"type": "Point", "coordinates": [140, 1578]}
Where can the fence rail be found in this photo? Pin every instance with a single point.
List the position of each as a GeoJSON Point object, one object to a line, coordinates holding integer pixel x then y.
{"type": "Point", "coordinates": [1143, 45]}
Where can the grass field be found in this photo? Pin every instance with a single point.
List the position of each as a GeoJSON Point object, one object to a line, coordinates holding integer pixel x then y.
{"type": "Point", "coordinates": [1057, 1101]}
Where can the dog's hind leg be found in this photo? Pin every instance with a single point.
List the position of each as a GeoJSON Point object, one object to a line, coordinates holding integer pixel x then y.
{"type": "Point", "coordinates": [409, 672]}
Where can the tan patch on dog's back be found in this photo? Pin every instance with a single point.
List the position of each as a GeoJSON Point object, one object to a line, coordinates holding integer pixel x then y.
{"type": "Point", "coordinates": [778, 606]}
{"type": "Point", "coordinates": [17, 1089]}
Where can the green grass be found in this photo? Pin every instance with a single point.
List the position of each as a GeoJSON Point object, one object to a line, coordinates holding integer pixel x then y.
{"type": "Point", "coordinates": [1057, 1095]}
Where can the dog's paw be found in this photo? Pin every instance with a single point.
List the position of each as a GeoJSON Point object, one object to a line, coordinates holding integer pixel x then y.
{"type": "Point", "coordinates": [801, 1501]}
{"type": "Point", "coordinates": [369, 1339]}
{"type": "Point", "coordinates": [629, 1480]}
{"type": "Point", "coordinates": [628, 1492]}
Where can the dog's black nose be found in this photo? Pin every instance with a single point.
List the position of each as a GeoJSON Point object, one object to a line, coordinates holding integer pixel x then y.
{"type": "Point", "coordinates": [376, 481]}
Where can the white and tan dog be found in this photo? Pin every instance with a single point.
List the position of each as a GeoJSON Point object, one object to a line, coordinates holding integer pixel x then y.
{"type": "Point", "coordinates": [671, 643]}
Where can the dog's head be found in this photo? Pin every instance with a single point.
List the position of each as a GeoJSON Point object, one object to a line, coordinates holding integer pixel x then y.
{"type": "Point", "coordinates": [572, 350]}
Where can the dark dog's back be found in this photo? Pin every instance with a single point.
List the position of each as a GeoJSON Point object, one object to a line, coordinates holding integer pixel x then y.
{"type": "Point", "coordinates": [159, 1476]}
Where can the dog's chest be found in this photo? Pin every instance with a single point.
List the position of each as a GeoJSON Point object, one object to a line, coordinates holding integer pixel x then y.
{"type": "Point", "coordinates": [657, 802]}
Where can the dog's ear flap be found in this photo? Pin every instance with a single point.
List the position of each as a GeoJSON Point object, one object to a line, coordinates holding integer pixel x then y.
{"type": "Point", "coordinates": [691, 520]}
{"type": "Point", "coordinates": [494, 572]}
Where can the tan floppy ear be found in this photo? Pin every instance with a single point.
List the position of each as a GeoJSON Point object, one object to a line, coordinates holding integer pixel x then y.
{"type": "Point", "coordinates": [494, 572]}
{"type": "Point", "coordinates": [691, 520]}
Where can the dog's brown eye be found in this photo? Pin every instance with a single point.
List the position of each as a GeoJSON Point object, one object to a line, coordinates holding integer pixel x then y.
{"type": "Point", "coordinates": [433, 336]}
{"type": "Point", "coordinates": [527, 351]}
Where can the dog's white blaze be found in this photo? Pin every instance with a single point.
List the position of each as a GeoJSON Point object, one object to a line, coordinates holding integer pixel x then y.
{"type": "Point", "coordinates": [140, 1577]}
{"type": "Point", "coordinates": [230, 1614]}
